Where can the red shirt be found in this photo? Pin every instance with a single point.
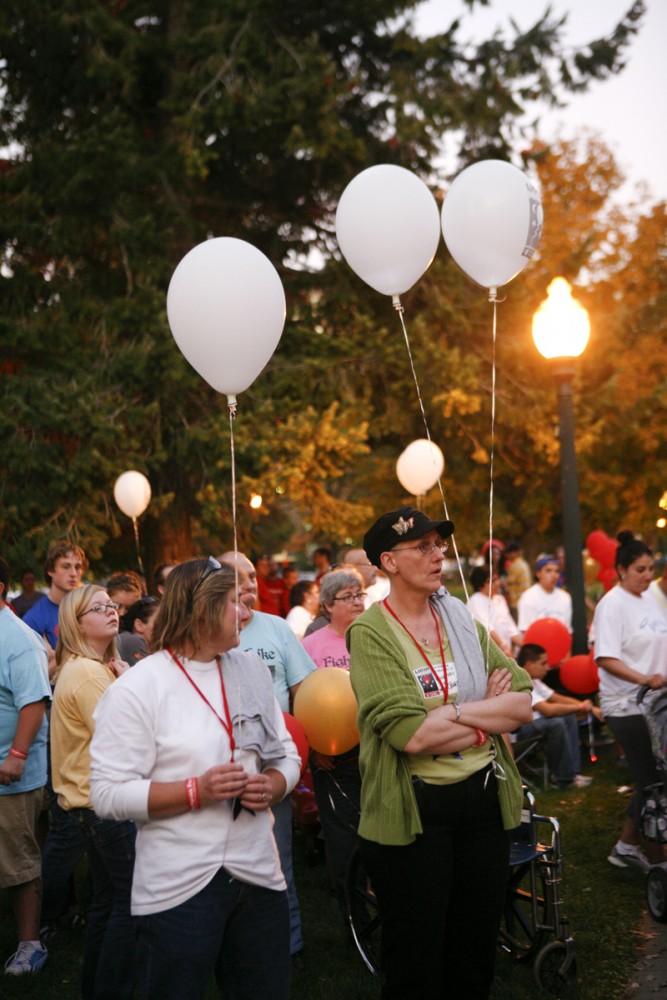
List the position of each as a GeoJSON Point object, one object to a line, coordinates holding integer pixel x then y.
{"type": "Point", "coordinates": [271, 595]}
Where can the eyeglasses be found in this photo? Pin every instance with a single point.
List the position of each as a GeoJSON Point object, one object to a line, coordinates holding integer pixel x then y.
{"type": "Point", "coordinates": [425, 548]}
{"type": "Point", "coordinates": [100, 609]}
{"type": "Point", "coordinates": [212, 566]}
{"type": "Point", "coordinates": [358, 595]}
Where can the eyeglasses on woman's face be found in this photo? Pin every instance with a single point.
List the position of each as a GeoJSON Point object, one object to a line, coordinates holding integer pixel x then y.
{"type": "Point", "coordinates": [101, 609]}
{"type": "Point", "coordinates": [351, 598]}
{"type": "Point", "coordinates": [424, 548]}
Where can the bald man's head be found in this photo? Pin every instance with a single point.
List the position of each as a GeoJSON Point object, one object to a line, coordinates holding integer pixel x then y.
{"type": "Point", "coordinates": [247, 576]}
{"type": "Point", "coordinates": [360, 561]}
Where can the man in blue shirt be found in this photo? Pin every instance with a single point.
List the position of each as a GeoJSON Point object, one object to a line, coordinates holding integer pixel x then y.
{"type": "Point", "coordinates": [65, 565]}
{"type": "Point", "coordinates": [271, 638]}
{"type": "Point", "coordinates": [24, 693]}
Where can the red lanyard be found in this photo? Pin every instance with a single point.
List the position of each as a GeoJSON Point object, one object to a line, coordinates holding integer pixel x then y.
{"type": "Point", "coordinates": [444, 687]}
{"type": "Point", "coordinates": [226, 723]}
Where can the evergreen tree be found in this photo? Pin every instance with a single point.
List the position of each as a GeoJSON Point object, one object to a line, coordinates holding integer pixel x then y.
{"type": "Point", "coordinates": [135, 131]}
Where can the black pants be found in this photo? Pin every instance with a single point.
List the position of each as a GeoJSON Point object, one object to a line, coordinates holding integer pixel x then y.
{"type": "Point", "coordinates": [441, 897]}
{"type": "Point", "coordinates": [631, 732]}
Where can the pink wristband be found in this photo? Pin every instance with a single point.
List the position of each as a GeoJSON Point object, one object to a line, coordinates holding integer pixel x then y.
{"type": "Point", "coordinates": [192, 793]}
{"type": "Point", "coordinates": [481, 738]}
{"type": "Point", "coordinates": [13, 752]}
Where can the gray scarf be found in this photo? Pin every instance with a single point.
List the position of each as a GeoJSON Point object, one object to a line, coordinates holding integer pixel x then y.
{"type": "Point", "coordinates": [471, 668]}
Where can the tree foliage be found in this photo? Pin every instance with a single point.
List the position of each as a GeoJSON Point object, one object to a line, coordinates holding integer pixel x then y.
{"type": "Point", "coordinates": [136, 130]}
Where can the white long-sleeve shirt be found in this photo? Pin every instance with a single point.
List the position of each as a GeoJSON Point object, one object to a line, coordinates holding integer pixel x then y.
{"type": "Point", "coordinates": [151, 725]}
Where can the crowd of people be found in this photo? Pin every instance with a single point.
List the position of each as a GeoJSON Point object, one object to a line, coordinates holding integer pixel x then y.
{"type": "Point", "coordinates": [146, 732]}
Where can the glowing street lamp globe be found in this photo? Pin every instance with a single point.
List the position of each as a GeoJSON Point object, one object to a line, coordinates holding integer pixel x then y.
{"type": "Point", "coordinates": [561, 327]}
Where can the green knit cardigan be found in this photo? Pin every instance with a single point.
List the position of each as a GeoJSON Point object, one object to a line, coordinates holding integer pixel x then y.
{"type": "Point", "coordinates": [391, 710]}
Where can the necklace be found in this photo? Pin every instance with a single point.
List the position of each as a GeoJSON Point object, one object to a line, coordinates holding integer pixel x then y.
{"type": "Point", "coordinates": [444, 686]}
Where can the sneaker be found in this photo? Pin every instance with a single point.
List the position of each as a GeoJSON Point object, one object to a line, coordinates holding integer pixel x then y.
{"type": "Point", "coordinates": [581, 781]}
{"type": "Point", "coordinates": [27, 958]}
{"type": "Point", "coordinates": [623, 855]}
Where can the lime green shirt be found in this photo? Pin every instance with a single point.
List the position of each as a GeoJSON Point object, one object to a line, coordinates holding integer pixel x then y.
{"type": "Point", "coordinates": [391, 710]}
{"type": "Point", "coordinates": [445, 769]}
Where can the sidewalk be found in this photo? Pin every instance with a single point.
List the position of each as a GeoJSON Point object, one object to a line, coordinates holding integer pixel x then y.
{"type": "Point", "coordinates": [649, 979]}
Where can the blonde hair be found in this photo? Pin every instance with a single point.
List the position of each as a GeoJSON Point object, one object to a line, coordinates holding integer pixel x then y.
{"type": "Point", "coordinates": [71, 640]}
{"type": "Point", "coordinates": [192, 605]}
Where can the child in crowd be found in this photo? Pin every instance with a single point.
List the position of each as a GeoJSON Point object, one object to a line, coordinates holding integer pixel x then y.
{"type": "Point", "coordinates": [556, 716]}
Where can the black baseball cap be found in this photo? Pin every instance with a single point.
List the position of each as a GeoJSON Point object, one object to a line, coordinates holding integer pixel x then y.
{"type": "Point", "coordinates": [402, 525]}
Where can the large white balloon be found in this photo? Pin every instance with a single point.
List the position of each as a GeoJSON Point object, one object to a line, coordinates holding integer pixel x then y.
{"type": "Point", "coordinates": [492, 221]}
{"type": "Point", "coordinates": [132, 493]}
{"type": "Point", "coordinates": [388, 227]}
{"type": "Point", "coordinates": [420, 466]}
{"type": "Point", "coordinates": [226, 310]}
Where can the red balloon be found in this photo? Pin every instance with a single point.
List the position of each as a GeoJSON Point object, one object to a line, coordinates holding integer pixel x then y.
{"type": "Point", "coordinates": [553, 636]}
{"type": "Point", "coordinates": [298, 734]}
{"type": "Point", "coordinates": [602, 548]}
{"type": "Point", "coordinates": [608, 577]}
{"type": "Point", "coordinates": [607, 557]}
{"type": "Point", "coordinates": [594, 541]}
{"type": "Point", "coordinates": [580, 675]}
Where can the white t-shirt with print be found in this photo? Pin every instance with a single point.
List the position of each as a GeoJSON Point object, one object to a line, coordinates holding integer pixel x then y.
{"type": "Point", "coordinates": [632, 629]}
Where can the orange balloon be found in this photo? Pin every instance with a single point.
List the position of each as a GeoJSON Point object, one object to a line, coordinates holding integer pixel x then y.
{"type": "Point", "coordinates": [327, 709]}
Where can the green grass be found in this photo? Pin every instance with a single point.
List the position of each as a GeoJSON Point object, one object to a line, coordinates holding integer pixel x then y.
{"type": "Point", "coordinates": [603, 904]}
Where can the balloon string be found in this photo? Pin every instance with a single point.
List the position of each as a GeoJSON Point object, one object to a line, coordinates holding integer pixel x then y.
{"type": "Point", "coordinates": [398, 306]}
{"type": "Point", "coordinates": [231, 403]}
{"type": "Point", "coordinates": [231, 400]}
{"type": "Point", "coordinates": [493, 298]}
{"type": "Point", "coordinates": [135, 525]}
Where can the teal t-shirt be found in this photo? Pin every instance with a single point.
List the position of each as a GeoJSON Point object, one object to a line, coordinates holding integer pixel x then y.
{"type": "Point", "coordinates": [24, 679]}
{"type": "Point", "coordinates": [274, 642]}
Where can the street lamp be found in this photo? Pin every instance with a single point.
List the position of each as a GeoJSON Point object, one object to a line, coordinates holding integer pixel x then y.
{"type": "Point", "coordinates": [561, 330]}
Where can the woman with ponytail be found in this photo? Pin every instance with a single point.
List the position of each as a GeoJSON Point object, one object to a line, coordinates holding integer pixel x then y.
{"type": "Point", "coordinates": [631, 650]}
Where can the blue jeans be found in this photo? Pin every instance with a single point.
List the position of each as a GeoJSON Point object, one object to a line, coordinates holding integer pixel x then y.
{"type": "Point", "coordinates": [238, 931]}
{"type": "Point", "coordinates": [109, 949]}
{"type": "Point", "coordinates": [282, 831]}
{"type": "Point", "coordinates": [563, 750]}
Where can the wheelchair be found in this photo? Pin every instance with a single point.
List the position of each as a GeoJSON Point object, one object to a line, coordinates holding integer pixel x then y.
{"type": "Point", "coordinates": [533, 926]}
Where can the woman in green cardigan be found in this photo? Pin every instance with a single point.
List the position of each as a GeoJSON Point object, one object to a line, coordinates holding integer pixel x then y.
{"type": "Point", "coordinates": [439, 788]}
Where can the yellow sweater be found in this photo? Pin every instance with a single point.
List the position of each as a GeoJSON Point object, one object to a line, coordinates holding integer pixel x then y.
{"type": "Point", "coordinates": [80, 685]}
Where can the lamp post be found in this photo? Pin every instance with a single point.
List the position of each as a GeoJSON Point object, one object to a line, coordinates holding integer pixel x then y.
{"type": "Point", "coordinates": [561, 330]}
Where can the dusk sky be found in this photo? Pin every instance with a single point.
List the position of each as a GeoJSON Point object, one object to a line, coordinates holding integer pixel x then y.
{"type": "Point", "coordinates": [628, 111]}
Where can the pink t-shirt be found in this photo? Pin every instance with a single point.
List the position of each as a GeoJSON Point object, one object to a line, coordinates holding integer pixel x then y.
{"type": "Point", "coordinates": [327, 649]}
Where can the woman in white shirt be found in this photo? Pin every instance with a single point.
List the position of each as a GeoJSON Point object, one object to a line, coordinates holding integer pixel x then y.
{"type": "Point", "coordinates": [193, 747]}
{"type": "Point", "coordinates": [631, 650]}
{"type": "Point", "coordinates": [488, 606]}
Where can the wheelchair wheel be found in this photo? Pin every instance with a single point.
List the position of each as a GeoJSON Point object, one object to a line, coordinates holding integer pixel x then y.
{"type": "Point", "coordinates": [656, 893]}
{"type": "Point", "coordinates": [518, 933]}
{"type": "Point", "coordinates": [555, 970]}
{"type": "Point", "coordinates": [363, 914]}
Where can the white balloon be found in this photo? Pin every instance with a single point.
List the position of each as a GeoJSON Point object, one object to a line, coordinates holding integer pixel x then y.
{"type": "Point", "coordinates": [226, 310]}
{"type": "Point", "coordinates": [388, 227]}
{"type": "Point", "coordinates": [420, 466]}
{"type": "Point", "coordinates": [492, 221]}
{"type": "Point", "coordinates": [132, 493]}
